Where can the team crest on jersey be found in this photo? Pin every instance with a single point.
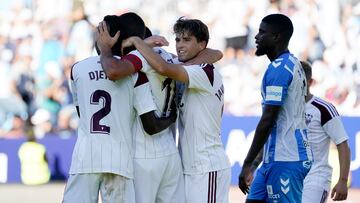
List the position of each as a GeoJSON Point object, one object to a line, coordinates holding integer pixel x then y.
{"type": "Point", "coordinates": [308, 118]}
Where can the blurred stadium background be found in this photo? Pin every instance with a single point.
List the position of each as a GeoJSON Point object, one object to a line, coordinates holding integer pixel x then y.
{"type": "Point", "coordinates": [41, 39]}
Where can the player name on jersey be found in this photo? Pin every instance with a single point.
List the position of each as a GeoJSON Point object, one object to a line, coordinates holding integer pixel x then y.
{"type": "Point", "coordinates": [96, 75]}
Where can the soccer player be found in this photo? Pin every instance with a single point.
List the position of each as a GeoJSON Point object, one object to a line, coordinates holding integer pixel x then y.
{"type": "Point", "coordinates": [158, 169]}
{"type": "Point", "coordinates": [206, 166]}
{"type": "Point", "coordinates": [102, 157]}
{"type": "Point", "coordinates": [324, 124]}
{"type": "Point", "coordinates": [282, 129]}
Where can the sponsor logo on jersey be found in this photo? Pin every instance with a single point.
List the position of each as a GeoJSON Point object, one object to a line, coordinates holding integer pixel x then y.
{"type": "Point", "coordinates": [273, 93]}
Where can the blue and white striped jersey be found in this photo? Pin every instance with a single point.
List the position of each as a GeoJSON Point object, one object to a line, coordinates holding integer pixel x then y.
{"type": "Point", "coordinates": [284, 84]}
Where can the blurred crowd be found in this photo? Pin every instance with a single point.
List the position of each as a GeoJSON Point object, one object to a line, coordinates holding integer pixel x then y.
{"type": "Point", "coordinates": [41, 39]}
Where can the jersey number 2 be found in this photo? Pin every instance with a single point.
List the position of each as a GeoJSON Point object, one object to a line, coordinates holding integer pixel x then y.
{"type": "Point", "coordinates": [95, 126]}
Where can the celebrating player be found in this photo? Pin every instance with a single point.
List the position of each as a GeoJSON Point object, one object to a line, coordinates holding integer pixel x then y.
{"type": "Point", "coordinates": [206, 166]}
{"type": "Point", "coordinates": [158, 170]}
{"type": "Point", "coordinates": [102, 157]}
{"type": "Point", "coordinates": [324, 124]}
{"type": "Point", "coordinates": [287, 156]}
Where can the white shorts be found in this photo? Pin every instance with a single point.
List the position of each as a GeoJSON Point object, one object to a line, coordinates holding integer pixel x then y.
{"type": "Point", "coordinates": [84, 188]}
{"type": "Point", "coordinates": [208, 187]}
{"type": "Point", "coordinates": [314, 194]}
{"type": "Point", "coordinates": [159, 180]}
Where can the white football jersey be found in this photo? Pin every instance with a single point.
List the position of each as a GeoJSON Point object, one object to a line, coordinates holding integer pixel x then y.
{"type": "Point", "coordinates": [324, 124]}
{"type": "Point", "coordinates": [163, 88]}
{"type": "Point", "coordinates": [284, 84]}
{"type": "Point", "coordinates": [104, 142]}
{"type": "Point", "coordinates": [201, 111]}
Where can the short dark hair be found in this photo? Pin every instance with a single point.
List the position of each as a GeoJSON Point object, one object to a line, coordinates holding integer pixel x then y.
{"type": "Point", "coordinates": [281, 24]}
{"type": "Point", "coordinates": [129, 24]}
{"type": "Point", "coordinates": [193, 27]}
{"type": "Point", "coordinates": [148, 32]}
{"type": "Point", "coordinates": [307, 69]}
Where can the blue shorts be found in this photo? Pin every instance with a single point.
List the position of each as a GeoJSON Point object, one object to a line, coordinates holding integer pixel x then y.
{"type": "Point", "coordinates": [279, 182]}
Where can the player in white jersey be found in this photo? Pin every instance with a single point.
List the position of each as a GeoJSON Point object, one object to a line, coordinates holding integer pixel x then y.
{"type": "Point", "coordinates": [158, 170]}
{"type": "Point", "coordinates": [324, 124]}
{"type": "Point", "coordinates": [102, 157]}
{"type": "Point", "coordinates": [287, 156]}
{"type": "Point", "coordinates": [206, 166]}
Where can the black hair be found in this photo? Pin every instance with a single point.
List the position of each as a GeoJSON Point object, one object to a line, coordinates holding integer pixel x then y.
{"type": "Point", "coordinates": [193, 27]}
{"type": "Point", "coordinates": [112, 26]}
{"type": "Point", "coordinates": [129, 24]}
{"type": "Point", "coordinates": [280, 23]}
{"type": "Point", "coordinates": [148, 32]}
{"type": "Point", "coordinates": [307, 69]}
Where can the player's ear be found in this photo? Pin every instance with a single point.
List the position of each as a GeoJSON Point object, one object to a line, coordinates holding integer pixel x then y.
{"type": "Point", "coordinates": [276, 37]}
{"type": "Point", "coordinates": [202, 45]}
{"type": "Point", "coordinates": [310, 82]}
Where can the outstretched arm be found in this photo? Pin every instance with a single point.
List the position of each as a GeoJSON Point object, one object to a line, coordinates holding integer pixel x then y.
{"type": "Point", "coordinates": [173, 71]}
{"type": "Point", "coordinates": [340, 191]}
{"type": "Point", "coordinates": [262, 133]}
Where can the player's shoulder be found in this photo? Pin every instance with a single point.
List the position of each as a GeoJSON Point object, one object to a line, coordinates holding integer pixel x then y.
{"type": "Point", "coordinates": [326, 109]}
{"type": "Point", "coordinates": [83, 64]}
{"type": "Point", "coordinates": [285, 63]}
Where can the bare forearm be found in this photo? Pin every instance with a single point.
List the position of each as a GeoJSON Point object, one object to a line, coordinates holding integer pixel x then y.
{"type": "Point", "coordinates": [344, 160]}
{"type": "Point", "coordinates": [114, 68]}
{"type": "Point", "coordinates": [173, 71]}
{"type": "Point", "coordinates": [151, 57]}
{"type": "Point", "coordinates": [262, 133]}
{"type": "Point", "coordinates": [206, 56]}
{"type": "Point", "coordinates": [153, 124]}
{"type": "Point", "coordinates": [257, 160]}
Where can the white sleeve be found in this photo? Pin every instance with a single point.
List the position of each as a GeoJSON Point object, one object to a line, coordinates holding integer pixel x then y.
{"type": "Point", "coordinates": [73, 88]}
{"type": "Point", "coordinates": [335, 129]}
{"type": "Point", "coordinates": [200, 77]}
{"type": "Point", "coordinates": [145, 67]}
{"type": "Point", "coordinates": [143, 98]}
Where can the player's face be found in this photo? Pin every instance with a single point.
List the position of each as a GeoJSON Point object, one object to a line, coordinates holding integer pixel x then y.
{"type": "Point", "coordinates": [264, 40]}
{"type": "Point", "coordinates": [187, 47]}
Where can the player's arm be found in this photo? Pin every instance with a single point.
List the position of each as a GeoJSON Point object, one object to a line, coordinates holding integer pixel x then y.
{"type": "Point", "coordinates": [73, 90]}
{"type": "Point", "coordinates": [173, 71]}
{"type": "Point", "coordinates": [257, 161]}
{"type": "Point", "coordinates": [340, 190]}
{"type": "Point", "coordinates": [114, 68]}
{"type": "Point", "coordinates": [153, 124]}
{"type": "Point", "coordinates": [206, 56]}
{"type": "Point", "coordinates": [262, 133]}
{"type": "Point", "coordinates": [145, 106]}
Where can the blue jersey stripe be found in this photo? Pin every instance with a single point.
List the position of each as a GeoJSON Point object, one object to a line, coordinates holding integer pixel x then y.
{"type": "Point", "coordinates": [300, 145]}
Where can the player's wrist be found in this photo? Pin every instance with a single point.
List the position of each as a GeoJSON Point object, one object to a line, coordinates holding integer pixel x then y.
{"type": "Point", "coordinates": [343, 180]}
{"type": "Point", "coordinates": [247, 162]}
